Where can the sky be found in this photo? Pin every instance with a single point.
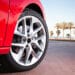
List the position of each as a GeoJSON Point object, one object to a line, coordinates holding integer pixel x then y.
{"type": "Point", "coordinates": [59, 11]}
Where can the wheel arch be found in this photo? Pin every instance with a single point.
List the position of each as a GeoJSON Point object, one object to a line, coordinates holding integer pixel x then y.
{"type": "Point", "coordinates": [34, 7]}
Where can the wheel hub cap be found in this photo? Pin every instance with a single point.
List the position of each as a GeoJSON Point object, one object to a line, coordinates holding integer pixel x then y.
{"type": "Point", "coordinates": [28, 40]}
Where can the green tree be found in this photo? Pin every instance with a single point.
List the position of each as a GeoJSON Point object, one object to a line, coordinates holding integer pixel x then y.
{"type": "Point", "coordinates": [64, 27]}
{"type": "Point", "coordinates": [68, 35]}
{"type": "Point", "coordinates": [70, 25]}
{"type": "Point", "coordinates": [51, 33]}
{"type": "Point", "coordinates": [58, 33]}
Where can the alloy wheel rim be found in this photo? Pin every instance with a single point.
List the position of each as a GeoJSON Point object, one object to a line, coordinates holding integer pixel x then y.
{"type": "Point", "coordinates": [29, 41]}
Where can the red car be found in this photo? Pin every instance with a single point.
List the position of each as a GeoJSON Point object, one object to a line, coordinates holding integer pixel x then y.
{"type": "Point", "coordinates": [23, 34]}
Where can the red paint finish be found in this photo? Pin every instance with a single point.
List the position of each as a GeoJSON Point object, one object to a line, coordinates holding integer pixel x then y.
{"type": "Point", "coordinates": [15, 10]}
{"type": "Point", "coordinates": [4, 50]}
{"type": "Point", "coordinates": [4, 8]}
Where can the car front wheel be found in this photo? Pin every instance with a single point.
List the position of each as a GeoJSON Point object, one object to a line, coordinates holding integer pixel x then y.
{"type": "Point", "coordinates": [29, 43]}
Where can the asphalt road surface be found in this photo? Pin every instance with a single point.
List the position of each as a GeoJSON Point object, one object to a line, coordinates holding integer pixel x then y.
{"type": "Point", "coordinates": [59, 60]}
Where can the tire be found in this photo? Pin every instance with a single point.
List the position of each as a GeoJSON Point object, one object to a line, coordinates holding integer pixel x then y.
{"type": "Point", "coordinates": [21, 62]}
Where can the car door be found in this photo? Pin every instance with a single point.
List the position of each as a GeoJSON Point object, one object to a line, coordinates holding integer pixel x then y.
{"type": "Point", "coordinates": [4, 9]}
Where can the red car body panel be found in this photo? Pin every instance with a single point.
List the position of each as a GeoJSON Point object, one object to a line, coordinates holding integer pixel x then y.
{"type": "Point", "coordinates": [4, 8]}
{"type": "Point", "coordinates": [10, 11]}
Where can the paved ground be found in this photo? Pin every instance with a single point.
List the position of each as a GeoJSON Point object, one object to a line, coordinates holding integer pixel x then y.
{"type": "Point", "coordinates": [59, 60]}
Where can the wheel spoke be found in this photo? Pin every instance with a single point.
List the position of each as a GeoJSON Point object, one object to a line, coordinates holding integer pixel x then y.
{"type": "Point", "coordinates": [34, 59]}
{"type": "Point", "coordinates": [19, 33]}
{"type": "Point", "coordinates": [41, 38]}
{"type": "Point", "coordinates": [35, 20]}
{"type": "Point", "coordinates": [38, 45]}
{"type": "Point", "coordinates": [25, 27]}
{"type": "Point", "coordinates": [18, 45]}
{"type": "Point", "coordinates": [31, 28]}
{"type": "Point", "coordinates": [36, 31]}
{"type": "Point", "coordinates": [28, 53]}
{"type": "Point", "coordinates": [20, 54]}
